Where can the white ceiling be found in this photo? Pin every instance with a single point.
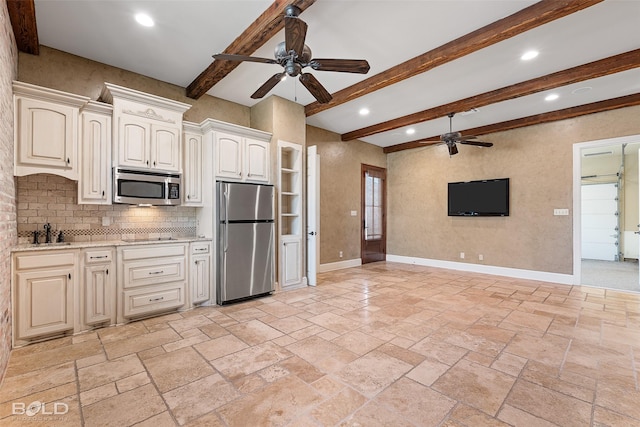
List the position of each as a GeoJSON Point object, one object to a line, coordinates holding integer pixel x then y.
{"type": "Point", "coordinates": [179, 47]}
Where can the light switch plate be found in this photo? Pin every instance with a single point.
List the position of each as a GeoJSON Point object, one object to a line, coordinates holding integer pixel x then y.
{"type": "Point", "coordinates": [558, 212]}
{"type": "Point", "coordinates": [354, 213]}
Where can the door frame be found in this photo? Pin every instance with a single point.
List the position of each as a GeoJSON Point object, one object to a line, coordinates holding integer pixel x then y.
{"type": "Point", "coordinates": [363, 168]}
{"type": "Point", "coordinates": [577, 197]}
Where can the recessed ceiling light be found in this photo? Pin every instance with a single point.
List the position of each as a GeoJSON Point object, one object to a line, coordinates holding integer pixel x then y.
{"type": "Point", "coordinates": [528, 55]}
{"type": "Point", "coordinates": [410, 131]}
{"type": "Point", "coordinates": [552, 97]}
{"type": "Point", "coordinates": [144, 20]}
{"type": "Point", "coordinates": [364, 112]}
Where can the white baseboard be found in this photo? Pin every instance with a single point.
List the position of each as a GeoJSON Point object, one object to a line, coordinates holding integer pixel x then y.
{"type": "Point", "coordinates": [331, 266]}
{"type": "Point", "coordinates": [543, 276]}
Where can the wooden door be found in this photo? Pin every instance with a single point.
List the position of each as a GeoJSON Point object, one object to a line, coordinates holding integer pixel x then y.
{"type": "Point", "coordinates": [374, 225]}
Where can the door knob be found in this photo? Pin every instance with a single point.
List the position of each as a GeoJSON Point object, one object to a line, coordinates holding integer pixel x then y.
{"type": "Point", "coordinates": [312, 233]}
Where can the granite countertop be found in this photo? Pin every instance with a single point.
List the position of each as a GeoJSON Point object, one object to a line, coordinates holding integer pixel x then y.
{"type": "Point", "coordinates": [82, 245]}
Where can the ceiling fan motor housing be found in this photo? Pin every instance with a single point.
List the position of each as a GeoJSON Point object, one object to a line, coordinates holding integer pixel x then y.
{"type": "Point", "coordinates": [281, 54]}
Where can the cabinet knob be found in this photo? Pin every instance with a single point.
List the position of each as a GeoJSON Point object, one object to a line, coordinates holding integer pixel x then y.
{"type": "Point", "coordinates": [68, 160]}
{"type": "Point", "coordinates": [147, 162]}
{"type": "Point", "coordinates": [107, 272]}
{"type": "Point", "coordinates": [154, 163]}
{"type": "Point", "coordinates": [69, 275]}
{"type": "Point", "coordinates": [188, 196]}
{"type": "Point", "coordinates": [102, 193]}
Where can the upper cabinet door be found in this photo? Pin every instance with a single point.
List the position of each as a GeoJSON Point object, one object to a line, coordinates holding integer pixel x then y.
{"type": "Point", "coordinates": [165, 148]}
{"type": "Point", "coordinates": [94, 186]}
{"type": "Point", "coordinates": [193, 172]}
{"type": "Point", "coordinates": [228, 156]}
{"type": "Point", "coordinates": [134, 141]}
{"type": "Point", "coordinates": [47, 136]}
{"type": "Point", "coordinates": [256, 160]}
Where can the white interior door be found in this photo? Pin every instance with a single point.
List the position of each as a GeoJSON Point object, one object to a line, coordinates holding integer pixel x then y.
{"type": "Point", "coordinates": [313, 209]}
{"type": "Point", "coordinates": [599, 222]}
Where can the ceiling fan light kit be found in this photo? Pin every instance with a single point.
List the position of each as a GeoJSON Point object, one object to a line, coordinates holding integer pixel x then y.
{"type": "Point", "coordinates": [293, 55]}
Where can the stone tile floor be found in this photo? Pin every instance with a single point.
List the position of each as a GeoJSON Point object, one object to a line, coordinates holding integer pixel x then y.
{"type": "Point", "coordinates": [380, 345]}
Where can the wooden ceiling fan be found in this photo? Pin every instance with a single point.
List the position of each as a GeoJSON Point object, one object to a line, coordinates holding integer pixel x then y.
{"type": "Point", "coordinates": [293, 55]}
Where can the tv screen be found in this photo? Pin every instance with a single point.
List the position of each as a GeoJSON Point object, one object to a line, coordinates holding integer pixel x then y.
{"type": "Point", "coordinates": [488, 197]}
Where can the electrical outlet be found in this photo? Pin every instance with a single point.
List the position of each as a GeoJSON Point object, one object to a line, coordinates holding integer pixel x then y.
{"type": "Point", "coordinates": [461, 255]}
{"type": "Point", "coordinates": [106, 221]}
{"type": "Point", "coordinates": [340, 254]}
{"type": "Point", "coordinates": [561, 212]}
{"type": "Point", "coordinates": [480, 257]}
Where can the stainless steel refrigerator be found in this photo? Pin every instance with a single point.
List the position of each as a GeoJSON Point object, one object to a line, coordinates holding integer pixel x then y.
{"type": "Point", "coordinates": [245, 242]}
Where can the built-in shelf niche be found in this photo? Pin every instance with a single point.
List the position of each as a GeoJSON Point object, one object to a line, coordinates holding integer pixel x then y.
{"type": "Point", "coordinates": [290, 219]}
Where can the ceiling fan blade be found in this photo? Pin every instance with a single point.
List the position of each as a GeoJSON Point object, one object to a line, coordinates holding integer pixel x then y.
{"type": "Point", "coordinates": [452, 149]}
{"type": "Point", "coordinates": [230, 57]}
{"type": "Point", "coordinates": [317, 90]}
{"type": "Point", "coordinates": [359, 66]}
{"type": "Point", "coordinates": [477, 143]}
{"type": "Point", "coordinates": [268, 85]}
{"type": "Point", "coordinates": [295, 31]}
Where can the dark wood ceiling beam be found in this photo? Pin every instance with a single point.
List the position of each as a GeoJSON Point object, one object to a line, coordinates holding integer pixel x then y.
{"type": "Point", "coordinates": [524, 20]}
{"type": "Point", "coordinates": [614, 64]}
{"type": "Point", "coordinates": [22, 14]}
{"type": "Point", "coordinates": [257, 34]}
{"type": "Point", "coordinates": [552, 116]}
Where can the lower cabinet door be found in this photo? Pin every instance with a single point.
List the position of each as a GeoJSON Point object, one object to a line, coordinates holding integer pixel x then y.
{"type": "Point", "coordinates": [200, 278]}
{"type": "Point", "coordinates": [45, 302]}
{"type": "Point", "coordinates": [99, 294]}
{"type": "Point", "coordinates": [149, 300]}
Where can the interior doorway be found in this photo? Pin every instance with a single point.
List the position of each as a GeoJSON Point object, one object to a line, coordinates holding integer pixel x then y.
{"type": "Point", "coordinates": [374, 221]}
{"type": "Point", "coordinates": [606, 213]}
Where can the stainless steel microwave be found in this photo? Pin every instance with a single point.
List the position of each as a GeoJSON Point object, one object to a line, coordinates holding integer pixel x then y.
{"type": "Point", "coordinates": [137, 187]}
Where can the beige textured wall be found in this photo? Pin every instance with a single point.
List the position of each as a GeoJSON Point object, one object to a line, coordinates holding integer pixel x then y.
{"type": "Point", "coordinates": [8, 236]}
{"type": "Point", "coordinates": [340, 187]}
{"type": "Point", "coordinates": [59, 70]}
{"type": "Point", "coordinates": [537, 159]}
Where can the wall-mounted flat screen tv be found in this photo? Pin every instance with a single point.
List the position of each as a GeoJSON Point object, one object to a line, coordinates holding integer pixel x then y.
{"type": "Point", "coordinates": [489, 197]}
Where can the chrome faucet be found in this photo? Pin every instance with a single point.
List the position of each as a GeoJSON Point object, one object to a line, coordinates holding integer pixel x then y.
{"type": "Point", "coordinates": [47, 229]}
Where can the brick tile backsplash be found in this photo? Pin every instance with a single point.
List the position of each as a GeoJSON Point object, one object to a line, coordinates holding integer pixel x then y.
{"type": "Point", "coordinates": [45, 198]}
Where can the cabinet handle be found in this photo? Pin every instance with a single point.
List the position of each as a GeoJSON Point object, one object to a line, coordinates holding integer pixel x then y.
{"type": "Point", "coordinates": [68, 160]}
{"type": "Point", "coordinates": [98, 257]}
{"type": "Point", "coordinates": [107, 272]}
{"type": "Point", "coordinates": [147, 162]}
{"type": "Point", "coordinates": [156, 299]}
{"type": "Point", "coordinates": [188, 196]}
{"type": "Point", "coordinates": [154, 163]}
{"type": "Point", "coordinates": [156, 272]}
{"type": "Point", "coordinates": [102, 193]}
{"type": "Point", "coordinates": [201, 249]}
{"type": "Point", "coordinates": [69, 276]}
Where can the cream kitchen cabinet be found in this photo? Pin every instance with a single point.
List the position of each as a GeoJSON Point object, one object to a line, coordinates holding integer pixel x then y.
{"type": "Point", "coordinates": [242, 154]}
{"type": "Point", "coordinates": [46, 130]}
{"type": "Point", "coordinates": [200, 277]}
{"type": "Point", "coordinates": [147, 129]}
{"type": "Point", "coordinates": [43, 294]}
{"type": "Point", "coordinates": [151, 279]}
{"type": "Point", "coordinates": [94, 185]}
{"type": "Point", "coordinates": [97, 293]}
{"type": "Point", "coordinates": [193, 171]}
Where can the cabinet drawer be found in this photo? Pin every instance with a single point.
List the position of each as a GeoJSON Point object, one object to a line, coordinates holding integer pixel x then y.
{"type": "Point", "coordinates": [98, 256]}
{"type": "Point", "coordinates": [44, 259]}
{"type": "Point", "coordinates": [150, 300]}
{"type": "Point", "coordinates": [153, 251]}
{"type": "Point", "coordinates": [201, 248]}
{"type": "Point", "coordinates": [153, 271]}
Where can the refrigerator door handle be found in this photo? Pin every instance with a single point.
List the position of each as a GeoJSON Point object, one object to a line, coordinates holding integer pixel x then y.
{"type": "Point", "coordinates": [226, 220]}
